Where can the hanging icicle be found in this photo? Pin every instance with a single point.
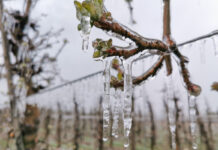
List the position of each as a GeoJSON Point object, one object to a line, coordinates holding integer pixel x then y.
{"type": "Point", "coordinates": [106, 100]}
{"type": "Point", "coordinates": [214, 40]}
{"type": "Point", "coordinates": [116, 113]}
{"type": "Point", "coordinates": [202, 51]}
{"type": "Point", "coordinates": [192, 119]}
{"type": "Point", "coordinates": [192, 94]}
{"type": "Point", "coordinates": [85, 31]}
{"type": "Point", "coordinates": [169, 97]}
{"type": "Point", "coordinates": [128, 90]}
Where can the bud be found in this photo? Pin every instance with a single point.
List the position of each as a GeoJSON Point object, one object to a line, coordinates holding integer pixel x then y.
{"type": "Point", "coordinates": [215, 86]}
{"type": "Point", "coordinates": [194, 90]}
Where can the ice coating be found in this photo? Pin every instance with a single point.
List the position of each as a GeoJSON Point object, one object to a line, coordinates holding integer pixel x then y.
{"type": "Point", "coordinates": [116, 112]}
{"type": "Point", "coordinates": [192, 119]}
{"type": "Point", "coordinates": [128, 91]}
{"type": "Point", "coordinates": [106, 100]}
{"type": "Point", "coordinates": [171, 106]}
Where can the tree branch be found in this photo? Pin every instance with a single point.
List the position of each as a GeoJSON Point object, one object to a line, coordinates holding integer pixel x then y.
{"type": "Point", "coordinates": [213, 33]}
{"type": "Point", "coordinates": [142, 42]}
{"type": "Point", "coordinates": [167, 34]}
{"type": "Point", "coordinates": [136, 81]}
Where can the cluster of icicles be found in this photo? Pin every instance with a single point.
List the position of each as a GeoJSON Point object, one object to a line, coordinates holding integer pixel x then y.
{"type": "Point", "coordinates": [172, 119]}
{"type": "Point", "coordinates": [120, 105]}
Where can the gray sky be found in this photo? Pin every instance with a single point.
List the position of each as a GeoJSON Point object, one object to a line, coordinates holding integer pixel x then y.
{"type": "Point", "coordinates": [189, 19]}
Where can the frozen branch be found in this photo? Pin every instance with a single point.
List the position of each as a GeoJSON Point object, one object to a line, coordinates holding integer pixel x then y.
{"type": "Point", "coordinates": [140, 41]}
{"type": "Point", "coordinates": [138, 80]}
{"type": "Point", "coordinates": [213, 33]}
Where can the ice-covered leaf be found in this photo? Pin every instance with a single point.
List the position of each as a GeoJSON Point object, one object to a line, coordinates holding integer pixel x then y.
{"type": "Point", "coordinates": [92, 8]}
{"type": "Point", "coordinates": [115, 62]}
{"type": "Point", "coordinates": [97, 54]}
{"type": "Point", "coordinates": [113, 78]}
{"type": "Point", "coordinates": [80, 10]}
{"type": "Point", "coordinates": [100, 47]}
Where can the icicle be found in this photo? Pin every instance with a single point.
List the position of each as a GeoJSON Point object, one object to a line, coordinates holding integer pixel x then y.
{"type": "Point", "coordinates": [128, 90]}
{"type": "Point", "coordinates": [171, 111]}
{"type": "Point", "coordinates": [192, 118]}
{"type": "Point", "coordinates": [202, 52]}
{"type": "Point", "coordinates": [84, 27]}
{"type": "Point", "coordinates": [85, 31]}
{"type": "Point", "coordinates": [116, 113]}
{"type": "Point", "coordinates": [214, 45]}
{"type": "Point", "coordinates": [106, 101]}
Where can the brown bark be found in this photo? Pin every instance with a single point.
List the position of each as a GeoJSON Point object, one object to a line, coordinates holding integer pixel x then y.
{"type": "Point", "coordinates": [100, 126]}
{"type": "Point", "coordinates": [203, 132]}
{"type": "Point", "coordinates": [30, 126]}
{"type": "Point", "coordinates": [132, 136]}
{"type": "Point", "coordinates": [59, 126]}
{"type": "Point", "coordinates": [7, 64]}
{"type": "Point", "coordinates": [141, 42]}
{"type": "Point", "coordinates": [111, 130]}
{"type": "Point", "coordinates": [210, 127]}
{"type": "Point", "coordinates": [47, 129]}
{"type": "Point", "coordinates": [153, 126]}
{"type": "Point", "coordinates": [167, 34]}
{"type": "Point", "coordinates": [168, 123]}
{"type": "Point", "coordinates": [178, 125]}
{"type": "Point", "coordinates": [77, 133]}
{"type": "Point", "coordinates": [187, 136]}
{"type": "Point", "coordinates": [9, 78]}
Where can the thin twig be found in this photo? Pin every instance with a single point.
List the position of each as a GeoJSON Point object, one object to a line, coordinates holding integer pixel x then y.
{"type": "Point", "coordinates": [213, 33]}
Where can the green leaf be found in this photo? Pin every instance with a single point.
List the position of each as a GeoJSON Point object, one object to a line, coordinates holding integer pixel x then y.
{"type": "Point", "coordinates": [113, 78]}
{"type": "Point", "coordinates": [115, 61]}
{"type": "Point", "coordinates": [102, 45]}
{"type": "Point", "coordinates": [120, 76]}
{"type": "Point", "coordinates": [97, 54]}
{"type": "Point", "coordinates": [109, 43]}
{"type": "Point", "coordinates": [79, 27]}
{"type": "Point", "coordinates": [78, 5]}
{"type": "Point", "coordinates": [89, 7]}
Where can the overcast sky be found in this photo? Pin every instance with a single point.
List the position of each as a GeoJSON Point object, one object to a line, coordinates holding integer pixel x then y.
{"type": "Point", "coordinates": [189, 19]}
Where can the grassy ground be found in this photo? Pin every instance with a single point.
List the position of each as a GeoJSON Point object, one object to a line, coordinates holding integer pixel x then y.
{"type": "Point", "coordinates": [89, 137]}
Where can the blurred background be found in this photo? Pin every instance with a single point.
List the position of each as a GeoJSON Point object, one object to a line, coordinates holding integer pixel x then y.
{"type": "Point", "coordinates": [70, 101]}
